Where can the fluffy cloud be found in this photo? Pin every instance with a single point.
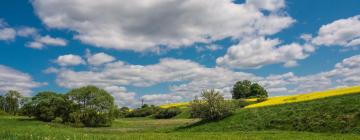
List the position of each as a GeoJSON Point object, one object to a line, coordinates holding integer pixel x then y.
{"type": "Point", "coordinates": [147, 25]}
{"type": "Point", "coordinates": [42, 41]}
{"type": "Point", "coordinates": [122, 96]}
{"type": "Point", "coordinates": [7, 34]}
{"type": "Point", "coordinates": [343, 32]}
{"type": "Point", "coordinates": [11, 79]}
{"type": "Point", "coordinates": [99, 59]}
{"type": "Point", "coordinates": [161, 98]}
{"type": "Point", "coordinates": [26, 31]}
{"type": "Point", "coordinates": [258, 52]}
{"type": "Point", "coordinates": [69, 60]}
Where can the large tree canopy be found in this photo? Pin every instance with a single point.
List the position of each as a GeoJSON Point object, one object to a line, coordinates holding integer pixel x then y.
{"type": "Point", "coordinates": [93, 106]}
{"type": "Point", "coordinates": [11, 102]}
{"type": "Point", "coordinates": [246, 89]}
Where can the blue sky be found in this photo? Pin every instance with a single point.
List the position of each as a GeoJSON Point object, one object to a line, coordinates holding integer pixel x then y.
{"type": "Point", "coordinates": [168, 51]}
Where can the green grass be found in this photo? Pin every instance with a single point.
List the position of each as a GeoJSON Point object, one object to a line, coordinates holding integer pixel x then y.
{"type": "Point", "coordinates": [19, 128]}
{"type": "Point", "coordinates": [334, 114]}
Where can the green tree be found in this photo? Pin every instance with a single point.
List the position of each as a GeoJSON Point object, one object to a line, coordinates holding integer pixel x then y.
{"type": "Point", "coordinates": [246, 89]}
{"type": "Point", "coordinates": [2, 103]}
{"type": "Point", "coordinates": [241, 89]}
{"type": "Point", "coordinates": [93, 106]}
{"type": "Point", "coordinates": [46, 106]}
{"type": "Point", "coordinates": [11, 103]}
{"type": "Point", "coordinates": [213, 106]}
{"type": "Point", "coordinates": [258, 91]}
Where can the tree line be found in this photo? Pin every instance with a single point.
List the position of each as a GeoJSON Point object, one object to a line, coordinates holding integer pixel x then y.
{"type": "Point", "coordinates": [91, 106]}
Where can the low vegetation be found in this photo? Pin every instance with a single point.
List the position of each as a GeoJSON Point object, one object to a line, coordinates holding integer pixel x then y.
{"type": "Point", "coordinates": [167, 113]}
{"type": "Point", "coordinates": [212, 106]}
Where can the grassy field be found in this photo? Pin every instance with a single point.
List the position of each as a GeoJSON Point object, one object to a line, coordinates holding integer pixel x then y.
{"type": "Point", "coordinates": [19, 128]}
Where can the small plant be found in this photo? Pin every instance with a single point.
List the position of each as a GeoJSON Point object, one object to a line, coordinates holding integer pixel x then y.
{"type": "Point", "coordinates": [167, 113]}
{"type": "Point", "coordinates": [57, 120]}
{"type": "Point", "coordinates": [213, 106]}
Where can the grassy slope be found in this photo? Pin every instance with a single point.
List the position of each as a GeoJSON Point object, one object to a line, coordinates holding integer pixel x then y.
{"type": "Point", "coordinates": [19, 128]}
{"type": "Point", "coordinates": [332, 114]}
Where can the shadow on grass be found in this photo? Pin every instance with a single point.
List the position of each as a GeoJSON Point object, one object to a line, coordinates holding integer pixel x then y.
{"type": "Point", "coordinates": [199, 123]}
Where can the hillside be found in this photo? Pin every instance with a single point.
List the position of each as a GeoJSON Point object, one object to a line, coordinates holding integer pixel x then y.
{"type": "Point", "coordinates": [332, 114]}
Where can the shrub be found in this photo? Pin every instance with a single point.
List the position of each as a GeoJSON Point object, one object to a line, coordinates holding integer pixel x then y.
{"type": "Point", "coordinates": [213, 106]}
{"type": "Point", "coordinates": [57, 120]}
{"type": "Point", "coordinates": [122, 112]}
{"type": "Point", "coordinates": [143, 112]}
{"type": "Point", "coordinates": [167, 113]}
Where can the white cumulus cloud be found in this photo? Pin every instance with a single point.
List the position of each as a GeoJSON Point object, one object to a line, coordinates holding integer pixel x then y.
{"type": "Point", "coordinates": [343, 32]}
{"type": "Point", "coordinates": [11, 79]}
{"type": "Point", "coordinates": [147, 25]}
{"type": "Point", "coordinates": [69, 60]}
{"type": "Point", "coordinates": [258, 52]}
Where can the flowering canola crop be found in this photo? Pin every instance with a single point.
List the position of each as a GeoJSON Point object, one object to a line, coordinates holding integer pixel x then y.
{"type": "Point", "coordinates": [306, 97]}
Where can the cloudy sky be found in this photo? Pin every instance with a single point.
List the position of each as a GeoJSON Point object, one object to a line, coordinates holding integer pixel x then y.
{"type": "Point", "coordinates": [169, 50]}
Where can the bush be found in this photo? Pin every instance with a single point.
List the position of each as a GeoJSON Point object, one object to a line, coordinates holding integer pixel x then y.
{"type": "Point", "coordinates": [143, 112]}
{"type": "Point", "coordinates": [46, 106]}
{"type": "Point", "coordinates": [57, 120]}
{"type": "Point", "coordinates": [212, 107]}
{"type": "Point", "coordinates": [167, 113]}
{"type": "Point", "coordinates": [122, 112]}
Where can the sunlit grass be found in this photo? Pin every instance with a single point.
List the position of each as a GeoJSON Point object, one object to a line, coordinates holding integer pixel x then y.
{"type": "Point", "coordinates": [306, 97]}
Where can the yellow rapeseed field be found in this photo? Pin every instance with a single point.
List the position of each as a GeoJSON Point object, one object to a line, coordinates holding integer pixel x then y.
{"type": "Point", "coordinates": [181, 104]}
{"type": "Point", "coordinates": [306, 97]}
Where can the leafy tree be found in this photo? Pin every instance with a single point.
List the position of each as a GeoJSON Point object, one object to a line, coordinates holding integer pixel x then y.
{"type": "Point", "coordinates": [46, 106]}
{"type": "Point", "coordinates": [93, 106]}
{"type": "Point", "coordinates": [11, 102]}
{"type": "Point", "coordinates": [2, 103]}
{"type": "Point", "coordinates": [246, 89]}
{"type": "Point", "coordinates": [258, 91]}
{"type": "Point", "coordinates": [144, 111]}
{"type": "Point", "coordinates": [213, 106]}
{"type": "Point", "coordinates": [241, 89]}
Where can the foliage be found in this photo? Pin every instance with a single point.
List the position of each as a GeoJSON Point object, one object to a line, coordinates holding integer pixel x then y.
{"type": "Point", "coordinates": [213, 106]}
{"type": "Point", "coordinates": [246, 89]}
{"type": "Point", "coordinates": [11, 102]}
{"type": "Point", "coordinates": [121, 112]}
{"type": "Point", "coordinates": [46, 106]}
{"type": "Point", "coordinates": [167, 113]}
{"type": "Point", "coordinates": [92, 106]}
{"type": "Point", "coordinates": [144, 111]}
